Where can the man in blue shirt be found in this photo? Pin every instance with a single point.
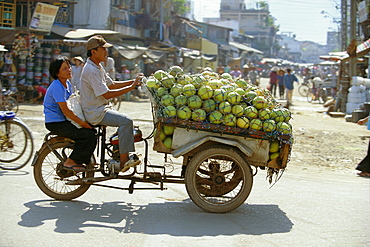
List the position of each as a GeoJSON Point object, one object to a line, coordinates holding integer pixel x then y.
{"type": "Point", "coordinates": [289, 80]}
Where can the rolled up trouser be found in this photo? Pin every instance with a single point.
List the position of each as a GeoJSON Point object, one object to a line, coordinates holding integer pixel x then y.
{"type": "Point", "coordinates": [125, 129]}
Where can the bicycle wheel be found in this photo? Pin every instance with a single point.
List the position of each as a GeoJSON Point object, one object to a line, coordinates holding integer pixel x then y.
{"type": "Point", "coordinates": [116, 102]}
{"type": "Point", "coordinates": [303, 90]}
{"type": "Point", "coordinates": [323, 96]}
{"type": "Point", "coordinates": [10, 104]}
{"type": "Point", "coordinates": [52, 179]}
{"type": "Point", "coordinates": [218, 179]}
{"type": "Point", "coordinates": [16, 145]}
{"type": "Point", "coordinates": [310, 97]}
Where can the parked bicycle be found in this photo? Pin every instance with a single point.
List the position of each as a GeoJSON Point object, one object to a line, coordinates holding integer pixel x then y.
{"type": "Point", "coordinates": [8, 103]}
{"type": "Point", "coordinates": [305, 88]}
{"type": "Point", "coordinates": [16, 142]}
{"type": "Point", "coordinates": [318, 92]}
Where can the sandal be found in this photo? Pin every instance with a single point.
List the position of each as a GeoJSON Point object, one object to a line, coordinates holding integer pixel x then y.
{"type": "Point", "coordinates": [364, 174]}
{"type": "Point", "coordinates": [76, 168]}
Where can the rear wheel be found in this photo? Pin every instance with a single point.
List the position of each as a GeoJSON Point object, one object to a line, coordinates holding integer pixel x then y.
{"type": "Point", "coordinates": [310, 97]}
{"type": "Point", "coordinates": [52, 179]}
{"type": "Point", "coordinates": [218, 179]}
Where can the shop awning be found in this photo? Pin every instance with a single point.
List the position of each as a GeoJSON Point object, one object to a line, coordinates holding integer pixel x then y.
{"type": "Point", "coordinates": [79, 33]}
{"type": "Point", "coordinates": [70, 42]}
{"type": "Point", "coordinates": [245, 48]}
{"type": "Point", "coordinates": [2, 48]}
{"type": "Point", "coordinates": [271, 60]}
{"type": "Point", "coordinates": [228, 48]}
{"type": "Point", "coordinates": [7, 36]}
{"type": "Point", "coordinates": [363, 48]}
{"type": "Point", "coordinates": [132, 52]}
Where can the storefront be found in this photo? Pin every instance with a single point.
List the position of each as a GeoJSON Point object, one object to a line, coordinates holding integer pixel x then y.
{"type": "Point", "coordinates": [346, 101]}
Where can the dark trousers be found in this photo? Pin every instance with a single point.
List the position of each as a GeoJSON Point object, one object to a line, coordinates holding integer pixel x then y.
{"type": "Point", "coordinates": [281, 90]}
{"type": "Point", "coordinates": [364, 165]}
{"type": "Point", "coordinates": [85, 139]}
{"type": "Point", "coordinates": [273, 89]}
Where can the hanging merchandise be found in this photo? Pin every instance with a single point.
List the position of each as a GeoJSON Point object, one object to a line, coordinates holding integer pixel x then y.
{"type": "Point", "coordinates": [56, 52]}
{"type": "Point", "coordinates": [30, 69]}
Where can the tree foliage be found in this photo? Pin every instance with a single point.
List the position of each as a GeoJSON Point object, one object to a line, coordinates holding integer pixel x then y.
{"type": "Point", "coordinates": [180, 6]}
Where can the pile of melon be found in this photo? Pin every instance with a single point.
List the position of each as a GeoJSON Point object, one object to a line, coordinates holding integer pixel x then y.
{"type": "Point", "coordinates": [216, 99]}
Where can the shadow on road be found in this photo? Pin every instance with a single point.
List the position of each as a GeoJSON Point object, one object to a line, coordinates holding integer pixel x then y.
{"type": "Point", "coordinates": [13, 173]}
{"type": "Point", "coordinates": [173, 218]}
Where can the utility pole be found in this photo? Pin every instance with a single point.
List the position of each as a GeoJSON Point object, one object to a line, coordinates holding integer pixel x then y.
{"type": "Point", "coordinates": [353, 60]}
{"type": "Point", "coordinates": [344, 25]}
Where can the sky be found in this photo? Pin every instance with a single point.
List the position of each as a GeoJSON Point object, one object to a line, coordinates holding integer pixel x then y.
{"type": "Point", "coordinates": [300, 17]}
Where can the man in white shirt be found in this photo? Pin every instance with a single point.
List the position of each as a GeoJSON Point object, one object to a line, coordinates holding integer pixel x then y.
{"type": "Point", "coordinates": [96, 90]}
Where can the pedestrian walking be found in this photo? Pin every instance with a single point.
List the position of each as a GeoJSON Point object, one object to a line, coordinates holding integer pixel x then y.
{"type": "Point", "coordinates": [364, 165]}
{"type": "Point", "coordinates": [289, 79]}
{"type": "Point", "coordinates": [273, 81]}
{"type": "Point", "coordinates": [226, 68]}
{"type": "Point", "coordinates": [280, 82]}
{"type": "Point", "coordinates": [253, 76]}
{"type": "Point", "coordinates": [125, 73]}
{"type": "Point", "coordinates": [220, 69]}
{"type": "Point", "coordinates": [236, 73]}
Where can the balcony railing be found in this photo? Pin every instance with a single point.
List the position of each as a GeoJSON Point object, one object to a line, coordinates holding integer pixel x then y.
{"type": "Point", "coordinates": [7, 15]}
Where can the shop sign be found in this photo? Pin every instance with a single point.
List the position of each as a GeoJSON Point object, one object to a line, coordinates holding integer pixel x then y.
{"type": "Point", "coordinates": [43, 17]}
{"type": "Point", "coordinates": [362, 11]}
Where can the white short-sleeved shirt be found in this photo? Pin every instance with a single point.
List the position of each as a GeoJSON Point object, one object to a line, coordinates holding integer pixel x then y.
{"type": "Point", "coordinates": [94, 83]}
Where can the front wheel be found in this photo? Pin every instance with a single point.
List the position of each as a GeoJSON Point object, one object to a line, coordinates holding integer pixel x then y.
{"type": "Point", "coordinates": [10, 104]}
{"type": "Point", "coordinates": [218, 179]}
{"type": "Point", "coordinates": [16, 145]}
{"type": "Point", "coordinates": [52, 179]}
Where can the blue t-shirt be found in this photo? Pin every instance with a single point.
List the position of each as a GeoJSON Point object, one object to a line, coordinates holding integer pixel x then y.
{"type": "Point", "coordinates": [288, 81]}
{"type": "Point", "coordinates": [56, 93]}
{"type": "Point", "coordinates": [281, 80]}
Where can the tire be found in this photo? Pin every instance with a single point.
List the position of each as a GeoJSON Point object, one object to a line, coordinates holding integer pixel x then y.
{"type": "Point", "coordinates": [323, 95]}
{"type": "Point", "coordinates": [16, 145]}
{"type": "Point", "coordinates": [310, 97]}
{"type": "Point", "coordinates": [10, 104]}
{"type": "Point", "coordinates": [303, 90]}
{"type": "Point", "coordinates": [218, 179]}
{"type": "Point", "coordinates": [52, 179]}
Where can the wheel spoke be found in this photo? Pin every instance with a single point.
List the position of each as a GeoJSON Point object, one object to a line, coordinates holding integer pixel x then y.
{"type": "Point", "coordinates": [51, 178]}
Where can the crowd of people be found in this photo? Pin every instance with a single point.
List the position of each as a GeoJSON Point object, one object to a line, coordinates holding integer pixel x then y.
{"type": "Point", "coordinates": [281, 82]}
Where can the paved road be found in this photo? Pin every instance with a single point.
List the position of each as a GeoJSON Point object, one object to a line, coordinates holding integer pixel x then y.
{"type": "Point", "coordinates": [307, 207]}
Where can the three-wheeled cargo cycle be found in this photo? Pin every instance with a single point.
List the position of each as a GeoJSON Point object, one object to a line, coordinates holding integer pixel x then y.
{"type": "Point", "coordinates": [218, 165]}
